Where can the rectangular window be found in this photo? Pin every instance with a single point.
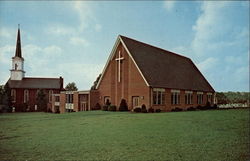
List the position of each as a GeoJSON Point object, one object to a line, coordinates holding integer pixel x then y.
{"type": "Point", "coordinates": [175, 97]}
{"type": "Point", "coordinates": [26, 96]}
{"type": "Point", "coordinates": [107, 100]}
{"type": "Point", "coordinates": [57, 98]}
{"type": "Point", "coordinates": [188, 97]}
{"type": "Point", "coordinates": [158, 96]}
{"type": "Point", "coordinates": [209, 97]}
{"type": "Point", "coordinates": [13, 95]}
{"type": "Point", "coordinates": [50, 95]}
{"type": "Point", "coordinates": [199, 98]}
{"type": "Point", "coordinates": [69, 98]}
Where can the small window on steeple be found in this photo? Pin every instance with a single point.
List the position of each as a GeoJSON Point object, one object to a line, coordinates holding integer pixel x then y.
{"type": "Point", "coordinates": [16, 66]}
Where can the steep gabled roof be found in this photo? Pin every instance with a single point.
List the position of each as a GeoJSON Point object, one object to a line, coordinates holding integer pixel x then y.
{"type": "Point", "coordinates": [36, 83]}
{"type": "Point", "coordinates": [162, 68]}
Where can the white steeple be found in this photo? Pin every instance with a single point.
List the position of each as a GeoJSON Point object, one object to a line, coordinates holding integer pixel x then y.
{"type": "Point", "coordinates": [17, 72]}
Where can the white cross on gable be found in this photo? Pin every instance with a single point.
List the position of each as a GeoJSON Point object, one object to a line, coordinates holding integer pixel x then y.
{"type": "Point", "coordinates": [119, 59]}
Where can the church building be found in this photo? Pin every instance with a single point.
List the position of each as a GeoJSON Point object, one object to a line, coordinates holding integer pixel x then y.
{"type": "Point", "coordinates": [24, 90]}
{"type": "Point", "coordinates": [144, 74]}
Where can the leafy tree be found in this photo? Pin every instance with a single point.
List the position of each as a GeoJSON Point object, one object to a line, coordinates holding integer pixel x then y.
{"type": "Point", "coordinates": [1, 94]}
{"type": "Point", "coordinates": [41, 100]}
{"type": "Point", "coordinates": [96, 81]}
{"type": "Point", "coordinates": [71, 87]}
{"type": "Point", "coordinates": [7, 93]}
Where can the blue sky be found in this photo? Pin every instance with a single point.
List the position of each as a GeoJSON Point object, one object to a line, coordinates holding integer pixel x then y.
{"type": "Point", "coordinates": [73, 39]}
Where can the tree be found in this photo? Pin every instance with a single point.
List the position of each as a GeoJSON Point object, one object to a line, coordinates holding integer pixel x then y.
{"type": "Point", "coordinates": [123, 105]}
{"type": "Point", "coordinates": [1, 94]}
{"type": "Point", "coordinates": [7, 98]}
{"type": "Point", "coordinates": [41, 100]}
{"type": "Point", "coordinates": [96, 81]}
{"type": "Point", "coordinates": [71, 87]}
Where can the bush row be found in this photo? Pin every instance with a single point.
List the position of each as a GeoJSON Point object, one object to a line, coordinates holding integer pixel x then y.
{"type": "Point", "coordinates": [108, 107]}
{"type": "Point", "coordinates": [206, 107]}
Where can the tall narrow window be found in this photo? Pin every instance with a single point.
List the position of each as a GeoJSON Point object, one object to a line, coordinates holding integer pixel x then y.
{"type": "Point", "coordinates": [13, 95]}
{"type": "Point", "coordinates": [26, 96]}
{"type": "Point", "coordinates": [175, 97]}
{"type": "Point", "coordinates": [158, 96]}
{"type": "Point", "coordinates": [50, 95]}
{"type": "Point", "coordinates": [69, 98]}
{"type": "Point", "coordinates": [188, 97]}
{"type": "Point", "coordinates": [209, 97]}
{"type": "Point", "coordinates": [199, 97]}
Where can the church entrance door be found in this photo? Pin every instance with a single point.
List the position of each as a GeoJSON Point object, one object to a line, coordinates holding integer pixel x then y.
{"type": "Point", "coordinates": [135, 101]}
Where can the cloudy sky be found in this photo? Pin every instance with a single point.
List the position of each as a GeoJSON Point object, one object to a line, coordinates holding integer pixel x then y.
{"type": "Point", "coordinates": [74, 39]}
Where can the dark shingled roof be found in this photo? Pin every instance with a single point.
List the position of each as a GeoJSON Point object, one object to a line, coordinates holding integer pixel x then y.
{"type": "Point", "coordinates": [166, 69]}
{"type": "Point", "coordinates": [38, 83]}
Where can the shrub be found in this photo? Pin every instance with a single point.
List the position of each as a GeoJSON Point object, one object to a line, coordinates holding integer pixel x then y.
{"type": "Point", "coordinates": [144, 109]}
{"type": "Point", "coordinates": [105, 108]}
{"type": "Point", "coordinates": [123, 105]}
{"type": "Point", "coordinates": [112, 108]}
{"type": "Point", "coordinates": [107, 102]}
{"type": "Point", "coordinates": [97, 107]}
{"type": "Point", "coordinates": [137, 109]}
{"type": "Point", "coordinates": [177, 109]}
{"type": "Point", "coordinates": [151, 110]}
{"type": "Point", "coordinates": [208, 106]}
{"type": "Point", "coordinates": [199, 107]}
{"type": "Point", "coordinates": [191, 109]}
{"type": "Point", "coordinates": [215, 106]}
{"type": "Point", "coordinates": [158, 110]}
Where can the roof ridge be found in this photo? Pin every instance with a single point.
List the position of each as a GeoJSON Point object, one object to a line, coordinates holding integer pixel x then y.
{"type": "Point", "coordinates": [169, 52]}
{"type": "Point", "coordinates": [41, 78]}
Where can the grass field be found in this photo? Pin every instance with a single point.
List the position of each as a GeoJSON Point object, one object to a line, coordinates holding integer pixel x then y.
{"type": "Point", "coordinates": [221, 135]}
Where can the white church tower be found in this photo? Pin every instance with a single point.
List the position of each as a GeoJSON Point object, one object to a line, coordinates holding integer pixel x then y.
{"type": "Point", "coordinates": [17, 72]}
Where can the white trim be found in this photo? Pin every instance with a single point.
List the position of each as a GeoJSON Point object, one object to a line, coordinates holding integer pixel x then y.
{"type": "Point", "coordinates": [109, 59]}
{"type": "Point", "coordinates": [118, 40]}
{"type": "Point", "coordinates": [199, 92]}
{"type": "Point", "coordinates": [191, 92]}
{"type": "Point", "coordinates": [175, 91]}
{"type": "Point", "coordinates": [159, 89]}
{"type": "Point", "coordinates": [133, 61]}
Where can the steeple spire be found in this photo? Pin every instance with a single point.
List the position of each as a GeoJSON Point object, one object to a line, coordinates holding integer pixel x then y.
{"type": "Point", "coordinates": [18, 44]}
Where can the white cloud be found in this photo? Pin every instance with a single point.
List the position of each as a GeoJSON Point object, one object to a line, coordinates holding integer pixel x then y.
{"type": "Point", "coordinates": [6, 52]}
{"type": "Point", "coordinates": [59, 30]}
{"type": "Point", "coordinates": [84, 12]}
{"type": "Point", "coordinates": [207, 64]}
{"type": "Point", "coordinates": [98, 27]}
{"type": "Point", "coordinates": [78, 41]}
{"type": "Point", "coordinates": [169, 5]}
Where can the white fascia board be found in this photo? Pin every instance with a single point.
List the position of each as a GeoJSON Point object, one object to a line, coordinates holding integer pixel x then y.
{"type": "Point", "coordinates": [111, 55]}
{"type": "Point", "coordinates": [134, 61]}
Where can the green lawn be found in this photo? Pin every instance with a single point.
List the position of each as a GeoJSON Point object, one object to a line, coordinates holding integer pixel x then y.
{"type": "Point", "coordinates": [97, 135]}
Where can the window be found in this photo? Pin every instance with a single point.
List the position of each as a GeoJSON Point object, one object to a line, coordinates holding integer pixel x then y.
{"type": "Point", "coordinates": [57, 98]}
{"type": "Point", "coordinates": [209, 97]}
{"type": "Point", "coordinates": [69, 98]}
{"type": "Point", "coordinates": [158, 96]}
{"type": "Point", "coordinates": [107, 100]}
{"type": "Point", "coordinates": [50, 95]}
{"type": "Point", "coordinates": [26, 96]}
{"type": "Point", "coordinates": [199, 97]}
{"type": "Point", "coordinates": [13, 95]}
{"type": "Point", "coordinates": [188, 97]}
{"type": "Point", "coordinates": [175, 97]}
{"type": "Point", "coordinates": [135, 100]}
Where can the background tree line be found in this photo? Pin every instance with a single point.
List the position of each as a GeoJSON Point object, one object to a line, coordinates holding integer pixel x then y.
{"type": "Point", "coordinates": [232, 97]}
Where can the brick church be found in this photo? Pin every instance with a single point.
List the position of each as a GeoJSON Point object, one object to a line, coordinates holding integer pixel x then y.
{"type": "Point", "coordinates": [24, 90]}
{"type": "Point", "coordinates": [142, 74]}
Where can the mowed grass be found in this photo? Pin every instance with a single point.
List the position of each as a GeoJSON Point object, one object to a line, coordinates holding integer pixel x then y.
{"type": "Point", "coordinates": [221, 135]}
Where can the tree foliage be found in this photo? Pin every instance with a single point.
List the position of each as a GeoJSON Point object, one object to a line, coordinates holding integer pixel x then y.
{"type": "Point", "coordinates": [71, 87]}
{"type": "Point", "coordinates": [96, 81]}
{"type": "Point", "coordinates": [232, 97]}
{"type": "Point", "coordinates": [41, 100]}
